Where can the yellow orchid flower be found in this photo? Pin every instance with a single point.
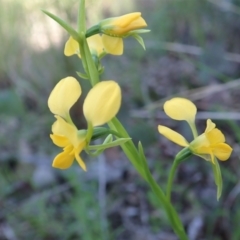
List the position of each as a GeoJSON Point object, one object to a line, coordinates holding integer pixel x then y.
{"type": "Point", "coordinates": [100, 106]}
{"type": "Point", "coordinates": [123, 25]}
{"type": "Point", "coordinates": [114, 29]}
{"type": "Point", "coordinates": [208, 145]}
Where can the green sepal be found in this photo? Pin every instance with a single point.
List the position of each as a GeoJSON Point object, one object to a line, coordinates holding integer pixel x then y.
{"type": "Point", "coordinates": [139, 39]}
{"type": "Point", "coordinates": [96, 153]}
{"type": "Point", "coordinates": [99, 132]}
{"type": "Point", "coordinates": [93, 30]}
{"type": "Point", "coordinates": [107, 144]}
{"type": "Point", "coordinates": [183, 155]}
{"type": "Point", "coordinates": [65, 25]}
{"type": "Point", "coordinates": [217, 177]}
{"type": "Point", "coordinates": [108, 139]}
{"type": "Point", "coordinates": [139, 31]}
{"type": "Point", "coordinates": [82, 75]}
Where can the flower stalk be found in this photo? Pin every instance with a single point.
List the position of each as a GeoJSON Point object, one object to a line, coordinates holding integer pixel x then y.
{"type": "Point", "coordinates": [183, 155]}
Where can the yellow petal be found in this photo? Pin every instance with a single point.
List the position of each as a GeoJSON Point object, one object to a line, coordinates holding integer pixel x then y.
{"type": "Point", "coordinates": [125, 20]}
{"type": "Point", "coordinates": [62, 128]}
{"type": "Point", "coordinates": [222, 151]}
{"type": "Point", "coordinates": [81, 162]}
{"type": "Point", "coordinates": [60, 141]}
{"type": "Point", "coordinates": [95, 44]}
{"type": "Point", "coordinates": [71, 47]}
{"type": "Point", "coordinates": [215, 136]}
{"type": "Point", "coordinates": [120, 26]}
{"type": "Point", "coordinates": [102, 102]}
{"type": "Point", "coordinates": [204, 152]}
{"type": "Point", "coordinates": [180, 109]}
{"type": "Point", "coordinates": [210, 126]}
{"type": "Point", "coordinates": [173, 136]}
{"type": "Point", "coordinates": [63, 96]}
{"type": "Point", "coordinates": [199, 142]}
{"type": "Point", "coordinates": [206, 157]}
{"type": "Point", "coordinates": [113, 45]}
{"type": "Point", "coordinates": [200, 149]}
{"type": "Point", "coordinates": [63, 160]}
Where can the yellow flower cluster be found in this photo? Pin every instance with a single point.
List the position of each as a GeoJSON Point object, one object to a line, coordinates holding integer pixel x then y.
{"type": "Point", "coordinates": [100, 106]}
{"type": "Point", "coordinates": [96, 46]}
{"type": "Point", "coordinates": [103, 100]}
{"type": "Point", "coordinates": [209, 145]}
{"type": "Point", "coordinates": [113, 30]}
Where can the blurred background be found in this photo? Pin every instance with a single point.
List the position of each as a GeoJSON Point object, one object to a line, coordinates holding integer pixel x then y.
{"type": "Point", "coordinates": [192, 51]}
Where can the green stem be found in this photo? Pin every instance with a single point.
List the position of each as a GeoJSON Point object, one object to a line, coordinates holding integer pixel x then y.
{"type": "Point", "coordinates": [136, 159]}
{"type": "Point", "coordinates": [193, 128]}
{"type": "Point", "coordinates": [81, 17]}
{"type": "Point", "coordinates": [171, 177]}
{"type": "Point", "coordinates": [128, 147]}
{"type": "Point", "coordinates": [181, 156]}
{"type": "Point", "coordinates": [84, 62]}
{"type": "Point", "coordinates": [171, 213]}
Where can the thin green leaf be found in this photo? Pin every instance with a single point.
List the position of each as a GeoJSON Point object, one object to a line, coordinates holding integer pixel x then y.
{"type": "Point", "coordinates": [140, 31]}
{"type": "Point", "coordinates": [140, 40]}
{"type": "Point", "coordinates": [65, 25]}
{"type": "Point", "coordinates": [96, 153]}
{"type": "Point", "coordinates": [82, 75]}
{"type": "Point", "coordinates": [217, 177]}
{"type": "Point", "coordinates": [115, 143]}
{"type": "Point", "coordinates": [108, 139]}
{"type": "Point", "coordinates": [99, 132]}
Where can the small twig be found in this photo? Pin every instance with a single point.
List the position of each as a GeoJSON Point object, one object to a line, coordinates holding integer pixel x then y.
{"type": "Point", "coordinates": [226, 6]}
{"type": "Point", "coordinates": [232, 195]}
{"type": "Point", "coordinates": [201, 115]}
{"type": "Point", "coordinates": [197, 93]}
{"type": "Point", "coordinates": [102, 194]}
{"type": "Point", "coordinates": [188, 49]}
{"type": "Point", "coordinates": [8, 231]}
{"type": "Point", "coordinates": [194, 94]}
